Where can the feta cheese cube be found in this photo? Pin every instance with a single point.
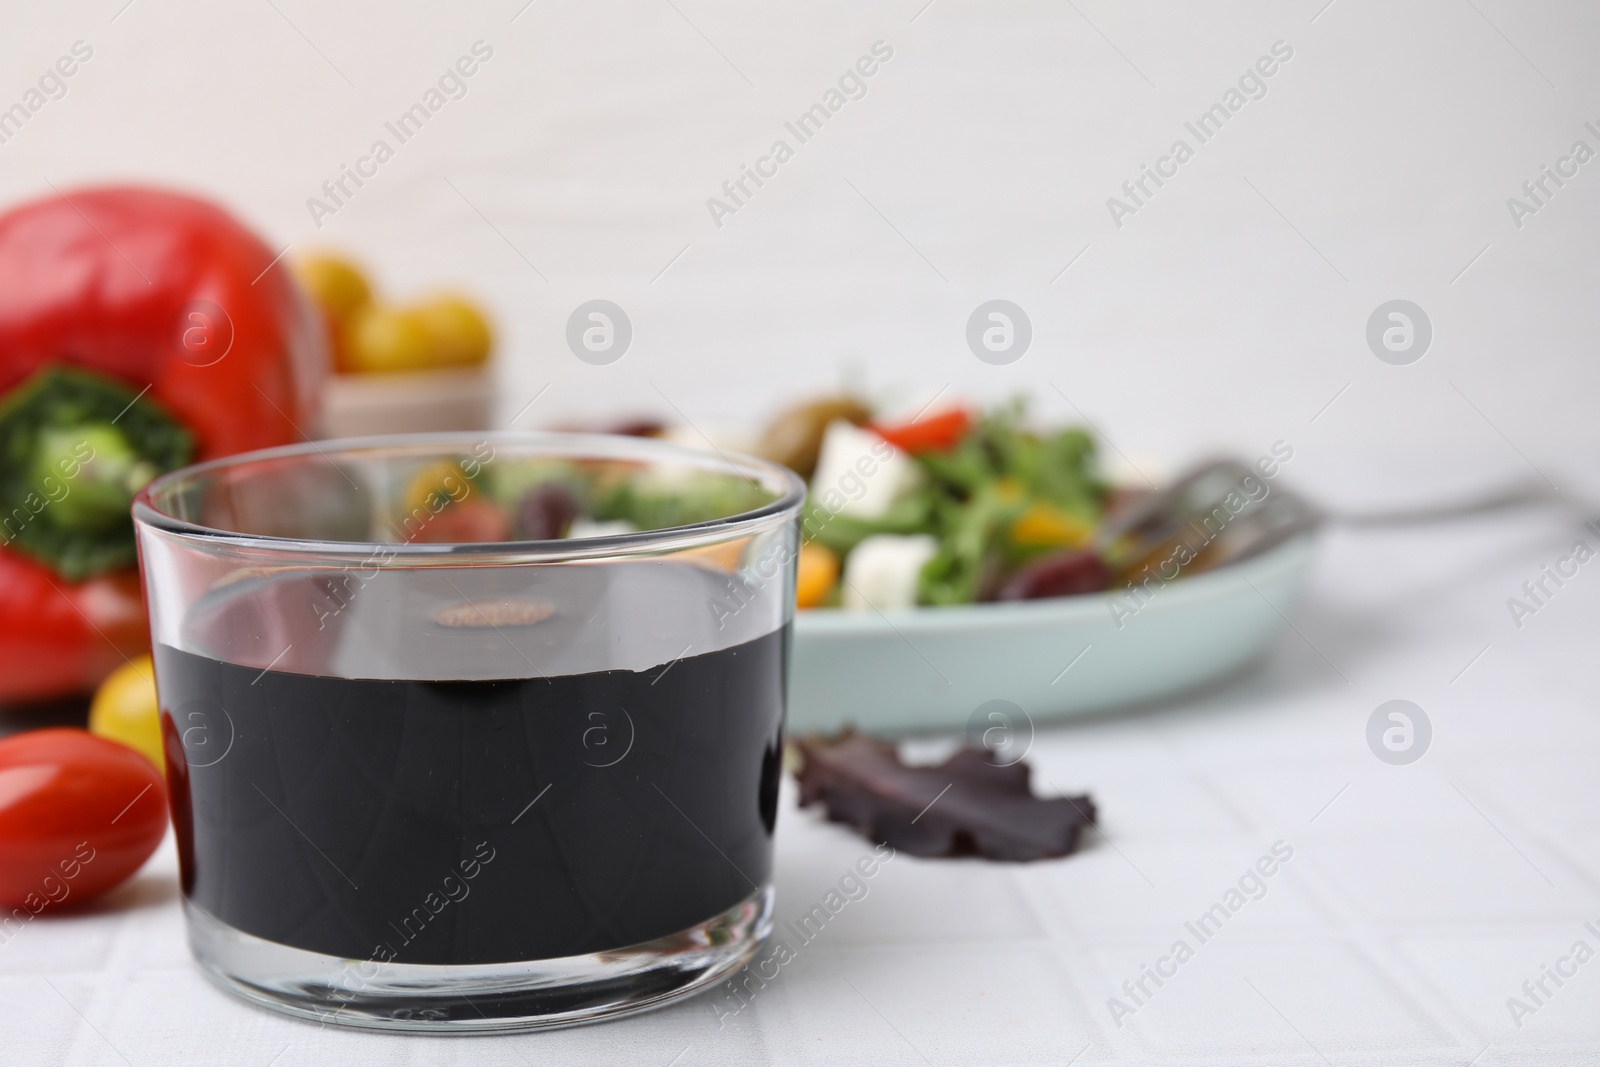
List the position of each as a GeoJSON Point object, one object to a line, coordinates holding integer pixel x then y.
{"type": "Point", "coordinates": [881, 572]}
{"type": "Point", "coordinates": [859, 473]}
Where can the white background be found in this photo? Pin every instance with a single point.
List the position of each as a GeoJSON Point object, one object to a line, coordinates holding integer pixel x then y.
{"type": "Point", "coordinates": [1220, 315]}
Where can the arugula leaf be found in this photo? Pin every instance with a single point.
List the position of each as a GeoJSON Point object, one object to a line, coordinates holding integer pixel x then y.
{"type": "Point", "coordinates": [841, 532]}
{"type": "Point", "coordinates": [984, 483]}
{"type": "Point", "coordinates": [651, 506]}
{"type": "Point", "coordinates": [970, 548]}
{"type": "Point", "coordinates": [1066, 476]}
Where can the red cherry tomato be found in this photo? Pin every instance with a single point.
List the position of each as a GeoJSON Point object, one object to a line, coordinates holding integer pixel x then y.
{"type": "Point", "coordinates": [78, 815]}
{"type": "Point", "coordinates": [467, 522]}
{"type": "Point", "coordinates": [933, 433]}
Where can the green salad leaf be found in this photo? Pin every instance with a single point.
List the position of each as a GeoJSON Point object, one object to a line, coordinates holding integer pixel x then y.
{"type": "Point", "coordinates": [985, 483]}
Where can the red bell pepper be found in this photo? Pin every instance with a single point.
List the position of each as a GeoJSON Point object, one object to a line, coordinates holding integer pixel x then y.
{"type": "Point", "coordinates": [139, 330]}
{"type": "Point", "coordinates": [935, 433]}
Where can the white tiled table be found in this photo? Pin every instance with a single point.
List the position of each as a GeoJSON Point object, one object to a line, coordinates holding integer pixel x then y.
{"type": "Point", "coordinates": [1417, 901]}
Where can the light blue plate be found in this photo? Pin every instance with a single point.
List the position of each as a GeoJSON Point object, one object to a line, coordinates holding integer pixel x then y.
{"type": "Point", "coordinates": [931, 668]}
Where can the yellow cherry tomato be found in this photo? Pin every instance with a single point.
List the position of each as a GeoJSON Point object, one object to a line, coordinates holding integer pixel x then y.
{"type": "Point", "coordinates": [436, 485]}
{"type": "Point", "coordinates": [816, 574]}
{"type": "Point", "coordinates": [725, 556]}
{"type": "Point", "coordinates": [336, 284]}
{"type": "Point", "coordinates": [458, 331]}
{"type": "Point", "coordinates": [1008, 491]}
{"type": "Point", "coordinates": [124, 709]}
{"type": "Point", "coordinates": [1044, 525]}
{"type": "Point", "coordinates": [380, 340]}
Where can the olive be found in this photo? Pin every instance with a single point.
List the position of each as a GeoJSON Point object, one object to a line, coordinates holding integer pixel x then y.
{"type": "Point", "coordinates": [794, 438]}
{"type": "Point", "coordinates": [1066, 573]}
{"type": "Point", "coordinates": [640, 426]}
{"type": "Point", "coordinates": [546, 511]}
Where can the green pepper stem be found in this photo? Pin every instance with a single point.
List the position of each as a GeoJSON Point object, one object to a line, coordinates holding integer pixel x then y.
{"type": "Point", "coordinates": [90, 474]}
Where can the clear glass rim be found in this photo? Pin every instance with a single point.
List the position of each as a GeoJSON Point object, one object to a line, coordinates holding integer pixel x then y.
{"type": "Point", "coordinates": [788, 489]}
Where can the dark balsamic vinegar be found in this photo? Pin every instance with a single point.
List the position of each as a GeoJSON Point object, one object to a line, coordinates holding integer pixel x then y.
{"type": "Point", "coordinates": [480, 821]}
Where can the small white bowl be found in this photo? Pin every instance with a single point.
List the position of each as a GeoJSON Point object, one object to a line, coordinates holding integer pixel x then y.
{"type": "Point", "coordinates": [364, 405]}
